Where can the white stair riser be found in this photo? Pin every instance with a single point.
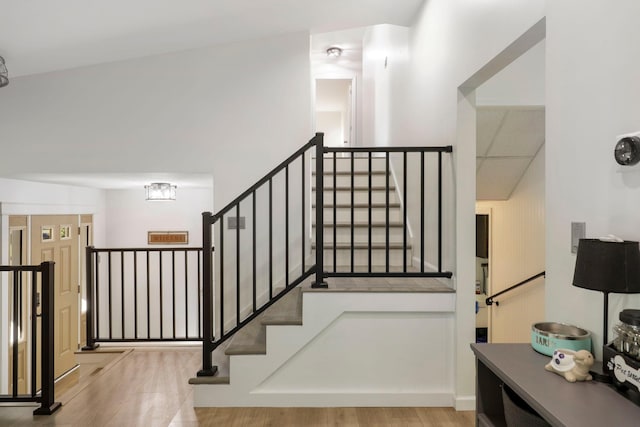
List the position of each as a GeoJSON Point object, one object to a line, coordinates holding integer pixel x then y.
{"type": "Point", "coordinates": [359, 180]}
{"type": "Point", "coordinates": [361, 234]}
{"type": "Point", "coordinates": [362, 215]}
{"type": "Point", "coordinates": [359, 197]}
{"type": "Point", "coordinates": [361, 258]}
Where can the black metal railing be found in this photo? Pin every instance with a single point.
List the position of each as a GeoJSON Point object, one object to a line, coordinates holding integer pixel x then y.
{"type": "Point", "coordinates": [242, 293]}
{"type": "Point", "coordinates": [490, 299]}
{"type": "Point", "coordinates": [143, 294]}
{"type": "Point", "coordinates": [409, 161]}
{"type": "Point", "coordinates": [28, 295]}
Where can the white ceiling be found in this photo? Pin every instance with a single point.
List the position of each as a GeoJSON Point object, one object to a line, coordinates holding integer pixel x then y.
{"type": "Point", "coordinates": [507, 138]}
{"type": "Point", "coordinates": [38, 36]}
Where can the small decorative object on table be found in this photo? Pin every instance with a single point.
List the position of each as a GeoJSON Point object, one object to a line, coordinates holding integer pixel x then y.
{"type": "Point", "coordinates": [572, 365]}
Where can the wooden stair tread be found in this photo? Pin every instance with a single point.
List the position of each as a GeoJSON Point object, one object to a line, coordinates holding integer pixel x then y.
{"type": "Point", "coordinates": [394, 224]}
{"type": "Point", "coordinates": [252, 339]}
{"type": "Point", "coordinates": [358, 205]}
{"type": "Point", "coordinates": [364, 246]}
{"type": "Point", "coordinates": [348, 173]}
{"type": "Point", "coordinates": [357, 188]}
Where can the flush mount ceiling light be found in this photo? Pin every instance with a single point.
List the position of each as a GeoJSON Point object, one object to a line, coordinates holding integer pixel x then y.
{"type": "Point", "coordinates": [160, 191]}
{"type": "Point", "coordinates": [4, 74]}
{"type": "Point", "coordinates": [334, 51]}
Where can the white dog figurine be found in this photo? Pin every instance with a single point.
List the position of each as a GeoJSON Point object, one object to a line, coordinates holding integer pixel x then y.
{"type": "Point", "coordinates": [572, 365]}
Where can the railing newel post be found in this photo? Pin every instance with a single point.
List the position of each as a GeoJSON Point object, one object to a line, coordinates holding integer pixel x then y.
{"type": "Point", "coordinates": [48, 405]}
{"type": "Point", "coordinates": [91, 343]}
{"type": "Point", "coordinates": [208, 370]}
{"type": "Point", "coordinates": [319, 281]}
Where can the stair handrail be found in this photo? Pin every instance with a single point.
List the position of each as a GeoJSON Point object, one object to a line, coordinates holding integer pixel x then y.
{"type": "Point", "coordinates": [490, 299]}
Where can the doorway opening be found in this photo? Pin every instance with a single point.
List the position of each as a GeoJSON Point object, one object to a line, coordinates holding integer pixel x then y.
{"type": "Point", "coordinates": [334, 111]}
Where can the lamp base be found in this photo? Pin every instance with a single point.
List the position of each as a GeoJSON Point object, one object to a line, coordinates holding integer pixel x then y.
{"type": "Point", "coordinates": [598, 374]}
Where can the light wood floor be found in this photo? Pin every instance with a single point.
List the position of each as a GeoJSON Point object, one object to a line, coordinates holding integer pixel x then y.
{"type": "Point", "coordinates": [148, 387]}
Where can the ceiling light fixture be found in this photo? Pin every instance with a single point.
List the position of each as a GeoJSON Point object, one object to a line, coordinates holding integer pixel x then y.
{"type": "Point", "coordinates": [160, 191]}
{"type": "Point", "coordinates": [334, 51]}
{"type": "Point", "coordinates": [4, 74]}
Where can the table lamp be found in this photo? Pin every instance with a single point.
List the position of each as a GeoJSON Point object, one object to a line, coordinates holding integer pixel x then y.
{"type": "Point", "coordinates": [608, 267]}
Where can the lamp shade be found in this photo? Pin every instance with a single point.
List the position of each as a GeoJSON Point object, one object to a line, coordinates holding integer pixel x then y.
{"type": "Point", "coordinates": [608, 266]}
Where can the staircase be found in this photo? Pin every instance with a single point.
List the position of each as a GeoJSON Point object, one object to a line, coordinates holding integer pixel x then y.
{"type": "Point", "coordinates": [365, 341]}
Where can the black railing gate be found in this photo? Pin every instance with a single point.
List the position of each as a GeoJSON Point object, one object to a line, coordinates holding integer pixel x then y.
{"type": "Point", "coordinates": [25, 318]}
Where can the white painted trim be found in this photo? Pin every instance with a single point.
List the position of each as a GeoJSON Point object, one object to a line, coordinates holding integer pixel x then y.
{"type": "Point", "coordinates": [465, 403]}
{"type": "Point", "coordinates": [39, 209]}
{"type": "Point", "coordinates": [332, 400]}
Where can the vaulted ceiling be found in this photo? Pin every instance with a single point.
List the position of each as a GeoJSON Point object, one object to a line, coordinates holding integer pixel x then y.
{"type": "Point", "coordinates": [38, 36]}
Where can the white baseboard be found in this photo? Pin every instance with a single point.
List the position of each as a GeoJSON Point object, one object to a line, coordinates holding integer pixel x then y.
{"type": "Point", "coordinates": [465, 403]}
{"type": "Point", "coordinates": [327, 400]}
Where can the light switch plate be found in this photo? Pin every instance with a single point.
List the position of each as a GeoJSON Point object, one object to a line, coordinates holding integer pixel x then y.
{"type": "Point", "coordinates": [233, 222]}
{"type": "Point", "coordinates": [578, 231]}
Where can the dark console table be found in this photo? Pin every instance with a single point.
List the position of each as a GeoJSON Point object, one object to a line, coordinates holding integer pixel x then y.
{"type": "Point", "coordinates": [558, 401]}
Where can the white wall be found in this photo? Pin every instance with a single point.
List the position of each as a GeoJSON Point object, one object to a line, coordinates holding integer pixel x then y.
{"type": "Point", "coordinates": [517, 252]}
{"type": "Point", "coordinates": [233, 111]}
{"type": "Point", "coordinates": [384, 49]}
{"type": "Point", "coordinates": [521, 83]}
{"type": "Point", "coordinates": [129, 216]}
{"type": "Point", "coordinates": [592, 96]}
{"type": "Point", "coordinates": [449, 42]}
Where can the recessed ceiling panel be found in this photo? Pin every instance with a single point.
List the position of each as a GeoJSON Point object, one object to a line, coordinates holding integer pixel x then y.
{"type": "Point", "coordinates": [521, 134]}
{"type": "Point", "coordinates": [488, 121]}
{"type": "Point", "coordinates": [497, 178]}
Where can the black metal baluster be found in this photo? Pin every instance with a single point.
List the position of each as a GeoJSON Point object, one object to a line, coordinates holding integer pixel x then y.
{"type": "Point", "coordinates": [34, 330]}
{"type": "Point", "coordinates": [270, 239]}
{"type": "Point", "coordinates": [135, 294]}
{"type": "Point", "coordinates": [200, 335]}
{"type": "Point", "coordinates": [161, 313]}
{"type": "Point", "coordinates": [14, 333]}
{"type": "Point", "coordinates": [148, 297]}
{"type": "Point", "coordinates": [286, 227]}
{"type": "Point", "coordinates": [335, 221]}
{"type": "Point", "coordinates": [238, 264]}
{"type": "Point", "coordinates": [109, 288]}
{"type": "Point", "coordinates": [122, 310]}
{"type": "Point", "coordinates": [221, 276]}
{"type": "Point", "coordinates": [353, 243]}
{"type": "Point", "coordinates": [422, 212]}
{"type": "Point", "coordinates": [404, 211]}
{"type": "Point", "coordinates": [370, 231]}
{"type": "Point", "coordinates": [254, 262]}
{"type": "Point", "coordinates": [439, 211]}
{"type": "Point", "coordinates": [304, 219]}
{"type": "Point", "coordinates": [186, 294]}
{"type": "Point", "coordinates": [97, 294]}
{"type": "Point", "coordinates": [173, 294]}
{"type": "Point", "coordinates": [387, 210]}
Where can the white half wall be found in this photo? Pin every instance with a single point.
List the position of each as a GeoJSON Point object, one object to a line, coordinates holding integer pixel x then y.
{"type": "Point", "coordinates": [353, 349]}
